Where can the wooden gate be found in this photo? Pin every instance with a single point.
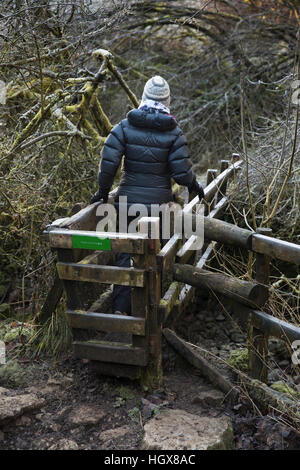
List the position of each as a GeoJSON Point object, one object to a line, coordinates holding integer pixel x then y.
{"type": "Point", "coordinates": [85, 256]}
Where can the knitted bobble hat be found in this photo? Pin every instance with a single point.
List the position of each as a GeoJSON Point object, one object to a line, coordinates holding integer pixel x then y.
{"type": "Point", "coordinates": [157, 89]}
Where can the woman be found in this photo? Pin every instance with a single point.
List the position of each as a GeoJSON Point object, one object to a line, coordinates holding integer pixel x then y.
{"type": "Point", "coordinates": [155, 150]}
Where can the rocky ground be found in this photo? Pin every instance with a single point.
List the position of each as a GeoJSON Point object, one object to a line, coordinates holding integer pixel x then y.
{"type": "Point", "coordinates": [67, 406]}
{"type": "Point", "coordinates": [62, 404]}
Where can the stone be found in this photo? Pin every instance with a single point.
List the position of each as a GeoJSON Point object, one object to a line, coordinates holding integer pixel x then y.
{"type": "Point", "coordinates": [274, 375]}
{"type": "Point", "coordinates": [112, 434]}
{"type": "Point", "coordinates": [11, 407]}
{"type": "Point", "coordinates": [220, 317]}
{"type": "Point", "coordinates": [236, 337]}
{"type": "Point", "coordinates": [64, 444]}
{"type": "Point", "coordinates": [210, 397]}
{"type": "Point", "coordinates": [2, 436]}
{"type": "Point", "coordinates": [54, 382]}
{"type": "Point", "coordinates": [86, 415]}
{"type": "Point", "coordinates": [297, 379]}
{"type": "Point", "coordinates": [23, 421]}
{"type": "Point", "coordinates": [178, 430]}
{"type": "Point", "coordinates": [148, 408]}
{"type": "Point", "coordinates": [55, 427]}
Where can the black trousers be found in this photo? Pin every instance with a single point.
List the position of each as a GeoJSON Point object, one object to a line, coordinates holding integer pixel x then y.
{"type": "Point", "coordinates": [122, 294]}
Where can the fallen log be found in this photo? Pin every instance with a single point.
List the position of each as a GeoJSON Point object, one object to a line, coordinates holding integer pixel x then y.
{"type": "Point", "coordinates": [264, 397]}
{"type": "Point", "coordinates": [249, 293]}
{"type": "Point", "coordinates": [208, 370]}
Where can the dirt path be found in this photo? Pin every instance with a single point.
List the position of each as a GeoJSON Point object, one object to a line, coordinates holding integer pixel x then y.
{"type": "Point", "coordinates": [80, 410]}
{"type": "Point", "coordinates": [63, 404]}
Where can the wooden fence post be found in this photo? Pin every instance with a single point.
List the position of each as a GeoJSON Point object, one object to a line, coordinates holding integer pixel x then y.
{"type": "Point", "coordinates": [222, 191]}
{"type": "Point", "coordinates": [153, 374]}
{"type": "Point", "coordinates": [210, 176]}
{"type": "Point", "coordinates": [235, 158]}
{"type": "Point", "coordinates": [257, 340]}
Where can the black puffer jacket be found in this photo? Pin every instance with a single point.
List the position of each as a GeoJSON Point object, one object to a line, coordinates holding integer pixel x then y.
{"type": "Point", "coordinates": [154, 149]}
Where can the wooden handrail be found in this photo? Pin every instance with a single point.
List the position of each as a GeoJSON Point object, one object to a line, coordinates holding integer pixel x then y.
{"type": "Point", "coordinates": [214, 186]}
{"type": "Point", "coordinates": [276, 248]}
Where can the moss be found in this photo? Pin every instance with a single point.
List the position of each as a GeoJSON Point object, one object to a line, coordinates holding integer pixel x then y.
{"type": "Point", "coordinates": [15, 375]}
{"type": "Point", "coordinates": [226, 441]}
{"type": "Point", "coordinates": [284, 388]}
{"type": "Point", "coordinates": [238, 359]}
{"type": "Point", "coordinates": [18, 332]}
{"type": "Point", "coordinates": [134, 414]}
{"type": "Point", "coordinates": [125, 393]}
{"type": "Point", "coordinates": [4, 308]}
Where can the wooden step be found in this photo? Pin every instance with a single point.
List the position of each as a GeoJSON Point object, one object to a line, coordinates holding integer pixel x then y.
{"type": "Point", "coordinates": [102, 274]}
{"type": "Point", "coordinates": [110, 352]}
{"type": "Point", "coordinates": [106, 322]}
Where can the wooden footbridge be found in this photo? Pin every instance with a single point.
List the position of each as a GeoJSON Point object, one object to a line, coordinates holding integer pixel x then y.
{"type": "Point", "coordinates": [163, 282]}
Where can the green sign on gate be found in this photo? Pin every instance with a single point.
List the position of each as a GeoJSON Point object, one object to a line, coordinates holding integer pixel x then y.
{"type": "Point", "coordinates": [87, 242]}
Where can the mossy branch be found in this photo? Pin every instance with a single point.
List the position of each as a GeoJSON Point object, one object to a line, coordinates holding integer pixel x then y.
{"type": "Point", "coordinates": [107, 58]}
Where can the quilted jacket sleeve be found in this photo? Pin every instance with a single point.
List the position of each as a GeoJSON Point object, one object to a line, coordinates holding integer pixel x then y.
{"type": "Point", "coordinates": [179, 163]}
{"type": "Point", "coordinates": [111, 156]}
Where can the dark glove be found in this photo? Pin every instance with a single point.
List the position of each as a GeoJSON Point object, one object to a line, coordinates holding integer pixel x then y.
{"type": "Point", "coordinates": [99, 195]}
{"type": "Point", "coordinates": [195, 187]}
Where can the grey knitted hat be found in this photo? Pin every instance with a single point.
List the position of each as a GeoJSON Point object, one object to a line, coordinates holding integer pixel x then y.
{"type": "Point", "coordinates": [157, 89]}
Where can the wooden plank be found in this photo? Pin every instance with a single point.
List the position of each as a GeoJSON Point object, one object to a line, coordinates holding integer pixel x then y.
{"type": "Point", "coordinates": [110, 352]}
{"type": "Point", "coordinates": [275, 248]}
{"type": "Point", "coordinates": [92, 258]}
{"type": "Point", "coordinates": [275, 327]}
{"type": "Point", "coordinates": [103, 303]}
{"type": "Point", "coordinates": [168, 301]}
{"type": "Point", "coordinates": [219, 208]}
{"type": "Point", "coordinates": [99, 257]}
{"type": "Point", "coordinates": [206, 255]}
{"type": "Point", "coordinates": [84, 219]}
{"type": "Point", "coordinates": [186, 296]}
{"type": "Point", "coordinates": [165, 257]}
{"type": "Point", "coordinates": [185, 253]}
{"type": "Point", "coordinates": [101, 274]}
{"type": "Point", "coordinates": [119, 242]}
{"type": "Point", "coordinates": [266, 323]}
{"type": "Point", "coordinates": [106, 322]}
{"type": "Point", "coordinates": [193, 356]}
{"type": "Point", "coordinates": [214, 186]}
